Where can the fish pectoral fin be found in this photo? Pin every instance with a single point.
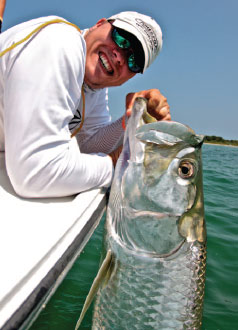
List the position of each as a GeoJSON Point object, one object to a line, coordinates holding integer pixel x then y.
{"type": "Point", "coordinates": [103, 275]}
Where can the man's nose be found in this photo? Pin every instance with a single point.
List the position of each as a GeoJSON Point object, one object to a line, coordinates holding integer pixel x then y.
{"type": "Point", "coordinates": [119, 56]}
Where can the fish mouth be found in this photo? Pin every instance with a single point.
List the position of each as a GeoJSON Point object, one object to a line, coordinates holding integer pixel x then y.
{"type": "Point", "coordinates": [142, 213]}
{"type": "Point", "coordinates": [147, 254]}
{"type": "Point", "coordinates": [105, 63]}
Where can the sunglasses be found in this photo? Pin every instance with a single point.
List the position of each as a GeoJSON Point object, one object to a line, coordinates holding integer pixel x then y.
{"type": "Point", "coordinates": [120, 37]}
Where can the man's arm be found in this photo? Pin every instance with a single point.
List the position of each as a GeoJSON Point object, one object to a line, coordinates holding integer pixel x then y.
{"type": "Point", "coordinates": [105, 140]}
{"type": "Point", "coordinates": [42, 90]}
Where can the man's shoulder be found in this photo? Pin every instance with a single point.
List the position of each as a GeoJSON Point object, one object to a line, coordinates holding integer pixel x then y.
{"type": "Point", "coordinates": [59, 35]}
{"type": "Point", "coordinates": [54, 25]}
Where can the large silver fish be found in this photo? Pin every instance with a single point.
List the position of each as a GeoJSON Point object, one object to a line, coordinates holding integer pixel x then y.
{"type": "Point", "coordinates": [153, 274]}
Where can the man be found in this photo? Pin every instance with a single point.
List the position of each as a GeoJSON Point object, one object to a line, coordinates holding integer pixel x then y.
{"type": "Point", "coordinates": [41, 100]}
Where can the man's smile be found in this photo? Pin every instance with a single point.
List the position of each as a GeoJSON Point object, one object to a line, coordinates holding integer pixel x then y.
{"type": "Point", "coordinates": [105, 63]}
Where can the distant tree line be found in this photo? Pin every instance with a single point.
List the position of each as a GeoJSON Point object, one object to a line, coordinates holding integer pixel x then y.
{"type": "Point", "coordinates": [219, 140]}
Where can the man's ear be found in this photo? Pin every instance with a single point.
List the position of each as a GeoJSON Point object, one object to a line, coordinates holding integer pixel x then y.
{"type": "Point", "coordinates": [99, 23]}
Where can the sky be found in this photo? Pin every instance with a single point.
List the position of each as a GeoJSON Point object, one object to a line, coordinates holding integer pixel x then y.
{"type": "Point", "coordinates": [197, 69]}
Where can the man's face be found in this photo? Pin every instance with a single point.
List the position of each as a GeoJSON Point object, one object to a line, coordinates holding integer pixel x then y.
{"type": "Point", "coordinates": [106, 63]}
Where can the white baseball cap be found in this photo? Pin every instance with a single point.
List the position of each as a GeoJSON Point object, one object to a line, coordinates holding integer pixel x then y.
{"type": "Point", "coordinates": [145, 29]}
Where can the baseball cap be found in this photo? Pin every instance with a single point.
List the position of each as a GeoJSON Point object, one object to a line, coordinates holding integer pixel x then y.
{"type": "Point", "coordinates": [145, 29]}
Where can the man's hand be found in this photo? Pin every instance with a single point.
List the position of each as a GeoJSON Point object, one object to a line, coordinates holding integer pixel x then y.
{"type": "Point", "coordinates": [157, 104]}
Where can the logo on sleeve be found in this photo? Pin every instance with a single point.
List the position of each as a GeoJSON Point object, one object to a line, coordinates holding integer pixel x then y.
{"type": "Point", "coordinates": [75, 121]}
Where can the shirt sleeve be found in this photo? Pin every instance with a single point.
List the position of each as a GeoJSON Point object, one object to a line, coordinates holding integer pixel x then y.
{"type": "Point", "coordinates": [43, 80]}
{"type": "Point", "coordinates": [105, 140]}
{"type": "Point", "coordinates": [98, 133]}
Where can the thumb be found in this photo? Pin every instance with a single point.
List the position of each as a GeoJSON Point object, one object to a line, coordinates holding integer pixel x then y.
{"type": "Point", "coordinates": [129, 103]}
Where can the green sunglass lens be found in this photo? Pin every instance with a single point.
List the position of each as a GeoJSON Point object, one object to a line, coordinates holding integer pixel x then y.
{"type": "Point", "coordinates": [120, 41]}
{"type": "Point", "coordinates": [132, 64]}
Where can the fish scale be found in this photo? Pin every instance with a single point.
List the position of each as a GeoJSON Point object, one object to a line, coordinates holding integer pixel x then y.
{"type": "Point", "coordinates": [155, 297]}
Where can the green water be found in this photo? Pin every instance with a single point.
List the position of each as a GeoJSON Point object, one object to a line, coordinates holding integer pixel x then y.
{"type": "Point", "coordinates": [220, 169]}
{"type": "Point", "coordinates": [221, 209]}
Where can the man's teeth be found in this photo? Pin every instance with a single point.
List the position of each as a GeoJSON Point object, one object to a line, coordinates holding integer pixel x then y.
{"type": "Point", "coordinates": [105, 63]}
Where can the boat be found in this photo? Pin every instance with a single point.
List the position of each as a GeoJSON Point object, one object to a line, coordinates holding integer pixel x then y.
{"type": "Point", "coordinates": [40, 239]}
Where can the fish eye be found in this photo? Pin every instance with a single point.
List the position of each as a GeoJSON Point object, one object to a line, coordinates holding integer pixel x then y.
{"type": "Point", "coordinates": [186, 169]}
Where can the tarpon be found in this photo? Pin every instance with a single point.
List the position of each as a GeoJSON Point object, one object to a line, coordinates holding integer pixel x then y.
{"type": "Point", "coordinates": [153, 273]}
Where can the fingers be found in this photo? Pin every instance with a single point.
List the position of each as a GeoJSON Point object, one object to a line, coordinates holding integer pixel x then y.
{"type": "Point", "coordinates": [158, 106]}
{"type": "Point", "coordinates": [130, 100]}
{"type": "Point", "coordinates": [160, 113]}
{"type": "Point", "coordinates": [166, 113]}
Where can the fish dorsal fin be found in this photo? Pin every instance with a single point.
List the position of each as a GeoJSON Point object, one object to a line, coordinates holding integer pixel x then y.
{"type": "Point", "coordinates": [103, 275]}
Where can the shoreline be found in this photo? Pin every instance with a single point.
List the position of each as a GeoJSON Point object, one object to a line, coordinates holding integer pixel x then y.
{"type": "Point", "coordinates": [221, 144]}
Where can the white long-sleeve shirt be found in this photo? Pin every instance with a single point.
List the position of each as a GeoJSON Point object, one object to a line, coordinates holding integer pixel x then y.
{"type": "Point", "coordinates": [40, 94]}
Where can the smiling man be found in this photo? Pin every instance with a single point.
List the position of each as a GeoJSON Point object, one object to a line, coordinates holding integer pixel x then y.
{"type": "Point", "coordinates": [106, 62]}
{"type": "Point", "coordinates": [53, 85]}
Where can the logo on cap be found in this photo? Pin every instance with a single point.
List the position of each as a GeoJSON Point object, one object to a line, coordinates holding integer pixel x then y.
{"type": "Point", "coordinates": [149, 32]}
